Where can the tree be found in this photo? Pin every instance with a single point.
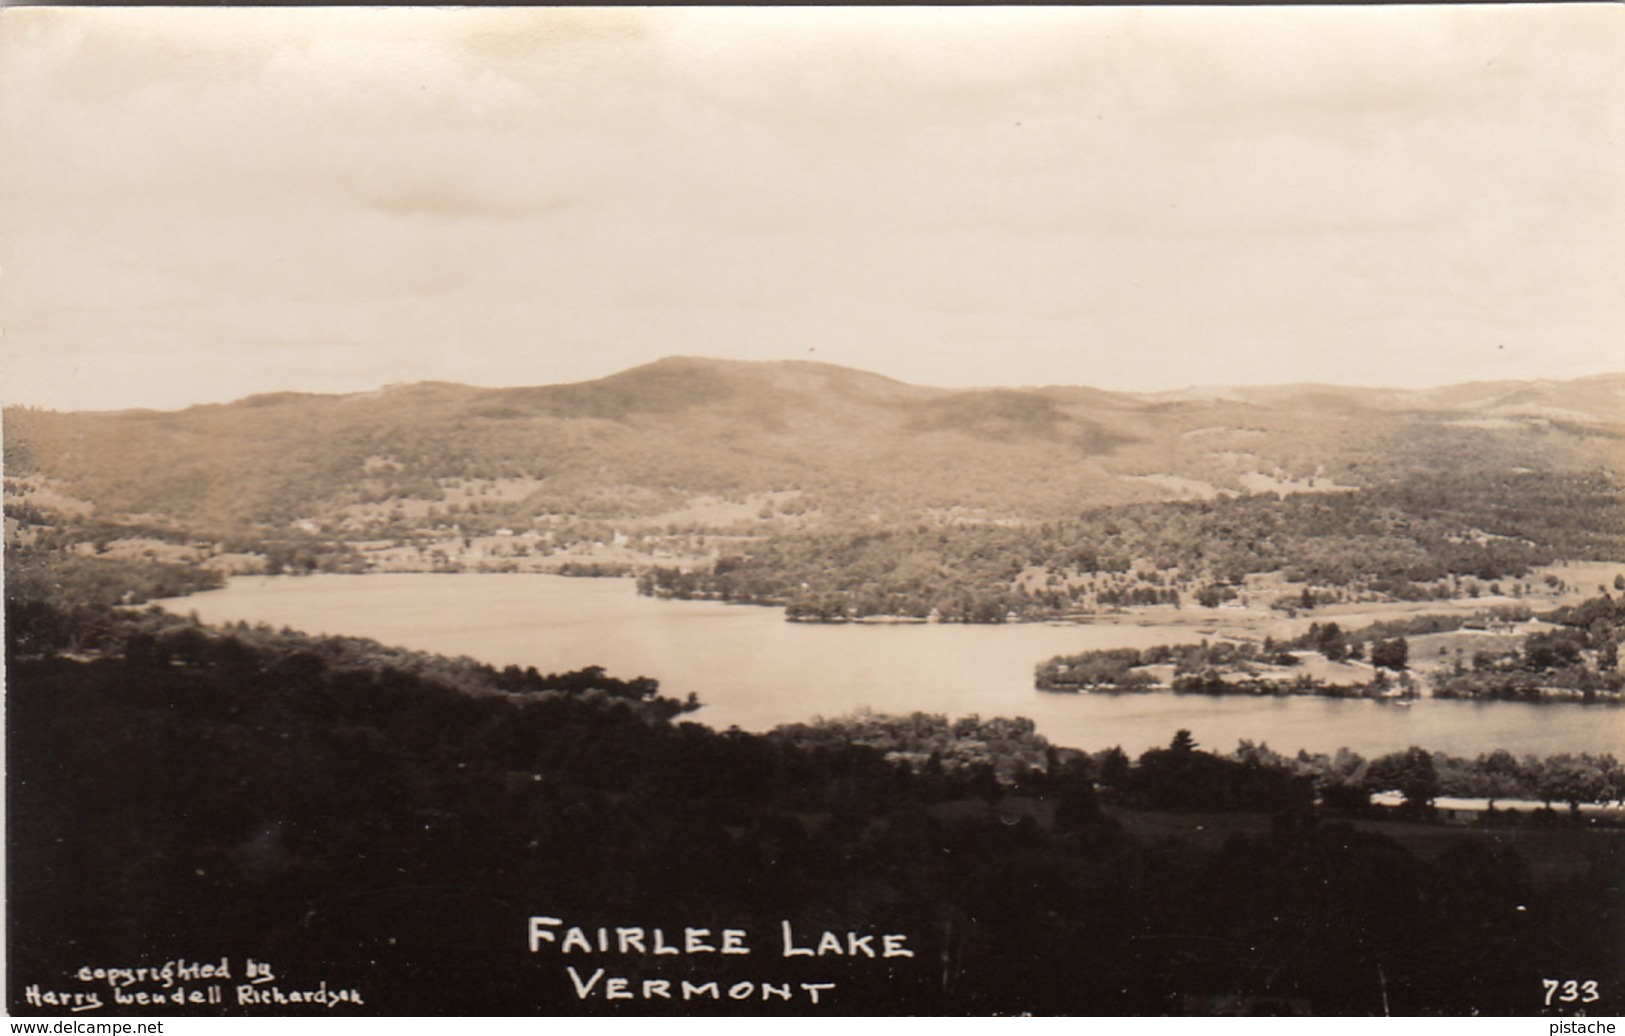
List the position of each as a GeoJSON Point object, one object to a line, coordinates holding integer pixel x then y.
{"type": "Point", "coordinates": [1574, 779]}
{"type": "Point", "coordinates": [1075, 787]}
{"type": "Point", "coordinates": [1114, 767]}
{"type": "Point", "coordinates": [1411, 773]}
{"type": "Point", "coordinates": [1330, 641]}
{"type": "Point", "coordinates": [1182, 742]}
{"type": "Point", "coordinates": [1499, 775]}
{"type": "Point", "coordinates": [1214, 594]}
{"type": "Point", "coordinates": [1391, 654]}
{"type": "Point", "coordinates": [1546, 651]}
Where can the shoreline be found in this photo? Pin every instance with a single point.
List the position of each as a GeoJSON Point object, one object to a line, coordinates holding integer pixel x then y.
{"type": "Point", "coordinates": [1227, 621]}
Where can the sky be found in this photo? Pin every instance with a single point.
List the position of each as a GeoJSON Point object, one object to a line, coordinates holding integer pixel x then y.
{"type": "Point", "coordinates": [201, 204]}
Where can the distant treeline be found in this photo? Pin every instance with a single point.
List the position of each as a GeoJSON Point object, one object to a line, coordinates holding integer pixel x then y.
{"type": "Point", "coordinates": [69, 578]}
{"type": "Point", "coordinates": [67, 557]}
{"type": "Point", "coordinates": [1008, 754]}
{"type": "Point", "coordinates": [388, 821]}
{"type": "Point", "coordinates": [1401, 541]}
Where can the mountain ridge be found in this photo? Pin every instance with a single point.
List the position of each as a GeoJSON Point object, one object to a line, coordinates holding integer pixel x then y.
{"type": "Point", "coordinates": [803, 374]}
{"type": "Point", "coordinates": [650, 439]}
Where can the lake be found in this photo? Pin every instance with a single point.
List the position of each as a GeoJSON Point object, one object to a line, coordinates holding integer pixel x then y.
{"type": "Point", "coordinates": [754, 670]}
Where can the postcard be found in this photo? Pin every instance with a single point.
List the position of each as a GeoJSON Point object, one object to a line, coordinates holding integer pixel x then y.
{"type": "Point", "coordinates": [796, 512]}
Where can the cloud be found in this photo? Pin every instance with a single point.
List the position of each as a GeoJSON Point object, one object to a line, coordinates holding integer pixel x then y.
{"type": "Point", "coordinates": [449, 195]}
{"type": "Point", "coordinates": [545, 190]}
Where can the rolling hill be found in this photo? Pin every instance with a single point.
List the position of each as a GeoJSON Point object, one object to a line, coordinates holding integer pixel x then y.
{"type": "Point", "coordinates": [837, 442]}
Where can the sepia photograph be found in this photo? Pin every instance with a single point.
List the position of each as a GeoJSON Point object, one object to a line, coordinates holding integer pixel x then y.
{"type": "Point", "coordinates": [814, 511]}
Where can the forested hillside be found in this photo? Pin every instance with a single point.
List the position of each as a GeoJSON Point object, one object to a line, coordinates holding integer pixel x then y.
{"type": "Point", "coordinates": [1415, 539]}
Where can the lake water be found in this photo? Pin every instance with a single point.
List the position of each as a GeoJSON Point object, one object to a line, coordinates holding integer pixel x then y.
{"type": "Point", "coordinates": [754, 670]}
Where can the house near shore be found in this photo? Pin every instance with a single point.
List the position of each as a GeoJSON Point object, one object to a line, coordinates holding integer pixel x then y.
{"type": "Point", "coordinates": [1453, 809]}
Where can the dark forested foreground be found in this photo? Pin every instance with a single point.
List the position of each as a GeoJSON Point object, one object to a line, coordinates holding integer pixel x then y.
{"type": "Point", "coordinates": [389, 823]}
